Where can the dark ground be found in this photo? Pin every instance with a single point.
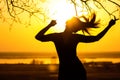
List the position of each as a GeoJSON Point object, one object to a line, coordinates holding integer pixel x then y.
{"type": "Point", "coordinates": [95, 71]}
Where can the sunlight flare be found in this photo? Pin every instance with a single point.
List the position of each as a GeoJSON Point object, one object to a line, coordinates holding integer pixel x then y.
{"type": "Point", "coordinates": [61, 12]}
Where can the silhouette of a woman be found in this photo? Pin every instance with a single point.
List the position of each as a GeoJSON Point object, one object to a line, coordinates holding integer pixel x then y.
{"type": "Point", "coordinates": [70, 67]}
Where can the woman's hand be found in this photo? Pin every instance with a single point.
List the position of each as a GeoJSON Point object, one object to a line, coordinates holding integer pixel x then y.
{"type": "Point", "coordinates": [112, 22]}
{"type": "Point", "coordinates": [53, 23]}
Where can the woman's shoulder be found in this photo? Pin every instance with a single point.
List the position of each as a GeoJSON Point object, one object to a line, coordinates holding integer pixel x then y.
{"type": "Point", "coordinates": [56, 34]}
{"type": "Point", "coordinates": [78, 35]}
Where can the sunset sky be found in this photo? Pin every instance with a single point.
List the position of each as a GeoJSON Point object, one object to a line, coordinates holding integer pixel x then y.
{"type": "Point", "coordinates": [22, 39]}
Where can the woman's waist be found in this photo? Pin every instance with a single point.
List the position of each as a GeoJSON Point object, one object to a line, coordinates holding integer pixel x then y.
{"type": "Point", "coordinates": [69, 59]}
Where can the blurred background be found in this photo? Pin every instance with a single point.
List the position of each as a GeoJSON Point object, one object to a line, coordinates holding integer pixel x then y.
{"type": "Point", "coordinates": [22, 57]}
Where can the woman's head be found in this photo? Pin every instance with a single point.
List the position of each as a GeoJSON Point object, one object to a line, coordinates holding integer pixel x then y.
{"type": "Point", "coordinates": [75, 24]}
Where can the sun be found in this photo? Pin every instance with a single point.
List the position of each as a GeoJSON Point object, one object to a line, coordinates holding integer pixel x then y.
{"type": "Point", "coordinates": [61, 12]}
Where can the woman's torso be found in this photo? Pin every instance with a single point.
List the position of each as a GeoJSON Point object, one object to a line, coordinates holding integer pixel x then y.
{"type": "Point", "coordinates": [66, 47]}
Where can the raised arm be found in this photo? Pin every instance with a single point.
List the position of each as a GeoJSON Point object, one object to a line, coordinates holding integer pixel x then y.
{"type": "Point", "coordinates": [89, 39]}
{"type": "Point", "coordinates": [101, 34]}
{"type": "Point", "coordinates": [41, 35]}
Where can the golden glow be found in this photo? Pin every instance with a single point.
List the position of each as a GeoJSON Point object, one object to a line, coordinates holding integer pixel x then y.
{"type": "Point", "coordinates": [22, 39]}
{"type": "Point", "coordinates": [53, 67]}
{"type": "Point", "coordinates": [61, 12]}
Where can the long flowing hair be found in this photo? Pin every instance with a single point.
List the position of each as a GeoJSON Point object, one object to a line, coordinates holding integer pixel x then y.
{"type": "Point", "coordinates": [88, 23]}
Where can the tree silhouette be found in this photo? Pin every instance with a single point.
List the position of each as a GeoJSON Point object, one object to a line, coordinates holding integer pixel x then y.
{"type": "Point", "coordinates": [99, 4]}
{"type": "Point", "coordinates": [12, 10]}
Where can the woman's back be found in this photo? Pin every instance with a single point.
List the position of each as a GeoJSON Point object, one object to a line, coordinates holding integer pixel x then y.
{"type": "Point", "coordinates": [65, 45]}
{"type": "Point", "coordinates": [69, 62]}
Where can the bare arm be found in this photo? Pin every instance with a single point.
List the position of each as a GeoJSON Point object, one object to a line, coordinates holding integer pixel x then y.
{"type": "Point", "coordinates": [41, 35]}
{"type": "Point", "coordinates": [88, 39]}
{"type": "Point", "coordinates": [100, 35]}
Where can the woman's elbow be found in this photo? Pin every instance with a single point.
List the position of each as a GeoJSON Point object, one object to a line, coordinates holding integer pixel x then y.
{"type": "Point", "coordinates": [95, 39]}
{"type": "Point", "coordinates": [37, 37]}
{"type": "Point", "coordinates": [40, 38]}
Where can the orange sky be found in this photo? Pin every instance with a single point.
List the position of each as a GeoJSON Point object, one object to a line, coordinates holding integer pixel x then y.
{"type": "Point", "coordinates": [22, 39]}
